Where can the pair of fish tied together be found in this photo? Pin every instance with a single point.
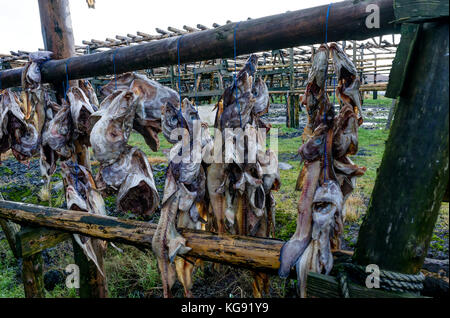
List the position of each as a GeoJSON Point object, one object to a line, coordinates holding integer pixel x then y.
{"type": "Point", "coordinates": [241, 186]}
{"type": "Point", "coordinates": [328, 176]}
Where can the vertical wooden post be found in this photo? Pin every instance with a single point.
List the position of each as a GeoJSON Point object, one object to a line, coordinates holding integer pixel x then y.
{"type": "Point", "coordinates": [292, 109]}
{"type": "Point", "coordinates": [32, 276]}
{"type": "Point", "coordinates": [414, 174]}
{"type": "Point", "coordinates": [10, 229]}
{"type": "Point", "coordinates": [58, 38]}
{"type": "Point", "coordinates": [32, 266]}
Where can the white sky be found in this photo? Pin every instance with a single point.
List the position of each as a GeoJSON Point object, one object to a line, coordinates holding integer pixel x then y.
{"type": "Point", "coordinates": [21, 30]}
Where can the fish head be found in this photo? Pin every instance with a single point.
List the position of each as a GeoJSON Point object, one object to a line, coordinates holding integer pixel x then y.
{"type": "Point", "coordinates": [122, 82]}
{"type": "Point", "coordinates": [250, 66]}
{"type": "Point", "coordinates": [80, 109]}
{"type": "Point", "coordinates": [172, 119]}
{"type": "Point", "coordinates": [319, 68]}
{"type": "Point", "coordinates": [261, 95]}
{"type": "Point", "coordinates": [327, 203]}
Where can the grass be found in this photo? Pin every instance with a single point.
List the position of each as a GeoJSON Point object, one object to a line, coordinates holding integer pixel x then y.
{"type": "Point", "coordinates": [380, 101]}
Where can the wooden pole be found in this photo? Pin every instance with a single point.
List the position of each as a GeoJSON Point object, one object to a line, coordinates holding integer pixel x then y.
{"type": "Point", "coordinates": [295, 28]}
{"type": "Point", "coordinates": [58, 37]}
{"type": "Point", "coordinates": [414, 174]}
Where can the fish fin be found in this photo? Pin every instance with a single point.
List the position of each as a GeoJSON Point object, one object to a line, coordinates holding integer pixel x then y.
{"type": "Point", "coordinates": [88, 250]}
{"type": "Point", "coordinates": [289, 255]}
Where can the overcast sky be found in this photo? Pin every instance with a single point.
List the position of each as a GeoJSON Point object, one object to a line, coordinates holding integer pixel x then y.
{"type": "Point", "coordinates": [21, 30]}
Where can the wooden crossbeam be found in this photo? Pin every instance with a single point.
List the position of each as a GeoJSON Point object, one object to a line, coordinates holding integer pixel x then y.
{"type": "Point", "coordinates": [302, 27]}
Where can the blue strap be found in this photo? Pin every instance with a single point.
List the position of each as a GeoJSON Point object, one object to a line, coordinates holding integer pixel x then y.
{"type": "Point", "coordinates": [179, 79]}
{"type": "Point", "coordinates": [234, 75]}
{"type": "Point", "coordinates": [326, 23]}
{"type": "Point", "coordinates": [114, 66]}
{"type": "Point", "coordinates": [326, 94]}
{"type": "Point", "coordinates": [66, 87]}
{"type": "Point", "coordinates": [76, 176]}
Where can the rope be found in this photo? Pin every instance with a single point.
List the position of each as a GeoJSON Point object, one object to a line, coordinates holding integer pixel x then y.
{"type": "Point", "coordinates": [235, 71]}
{"type": "Point", "coordinates": [389, 281]}
{"type": "Point", "coordinates": [324, 110]}
{"type": "Point", "coordinates": [326, 23]}
{"type": "Point", "coordinates": [179, 79]}
{"type": "Point", "coordinates": [114, 67]}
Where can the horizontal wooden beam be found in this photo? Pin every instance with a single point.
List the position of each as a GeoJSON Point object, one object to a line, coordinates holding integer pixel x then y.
{"type": "Point", "coordinates": [261, 254]}
{"type": "Point", "coordinates": [302, 27]}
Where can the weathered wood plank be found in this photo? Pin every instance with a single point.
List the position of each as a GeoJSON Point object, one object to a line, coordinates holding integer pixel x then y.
{"type": "Point", "coordinates": [414, 174]}
{"type": "Point", "coordinates": [10, 229]}
{"type": "Point", "coordinates": [295, 28]}
{"type": "Point", "coordinates": [247, 252]}
{"type": "Point", "coordinates": [32, 240]}
{"type": "Point", "coordinates": [33, 276]}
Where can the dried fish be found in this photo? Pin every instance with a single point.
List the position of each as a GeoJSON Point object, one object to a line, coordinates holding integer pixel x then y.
{"type": "Point", "coordinates": [183, 205]}
{"type": "Point", "coordinates": [154, 97]}
{"type": "Point", "coordinates": [109, 136]}
{"type": "Point", "coordinates": [348, 81]}
{"type": "Point", "coordinates": [82, 195]}
{"type": "Point", "coordinates": [80, 110]}
{"type": "Point", "coordinates": [18, 135]}
{"type": "Point", "coordinates": [240, 189]}
{"type": "Point", "coordinates": [58, 135]}
{"type": "Point", "coordinates": [328, 176]}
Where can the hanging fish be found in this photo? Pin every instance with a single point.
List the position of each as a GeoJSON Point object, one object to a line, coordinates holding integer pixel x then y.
{"type": "Point", "coordinates": [183, 205]}
{"type": "Point", "coordinates": [240, 189]}
{"type": "Point", "coordinates": [82, 195]}
{"type": "Point", "coordinates": [153, 96]}
{"type": "Point", "coordinates": [348, 81]}
{"type": "Point", "coordinates": [58, 135]}
{"type": "Point", "coordinates": [21, 137]}
{"type": "Point", "coordinates": [80, 110]}
{"type": "Point", "coordinates": [109, 136]}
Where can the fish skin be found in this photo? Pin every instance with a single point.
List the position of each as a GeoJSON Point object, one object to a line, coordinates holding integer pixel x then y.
{"type": "Point", "coordinates": [315, 95]}
{"type": "Point", "coordinates": [153, 96]}
{"type": "Point", "coordinates": [348, 81]}
{"type": "Point", "coordinates": [184, 196]}
{"type": "Point", "coordinates": [138, 192]}
{"type": "Point", "coordinates": [81, 195]}
{"type": "Point", "coordinates": [294, 248]}
{"type": "Point", "coordinates": [81, 110]}
{"type": "Point", "coordinates": [18, 135]}
{"type": "Point", "coordinates": [110, 134]}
